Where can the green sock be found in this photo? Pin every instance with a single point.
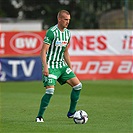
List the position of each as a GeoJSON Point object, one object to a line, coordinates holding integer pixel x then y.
{"type": "Point", "coordinates": [74, 98]}
{"type": "Point", "coordinates": [44, 103]}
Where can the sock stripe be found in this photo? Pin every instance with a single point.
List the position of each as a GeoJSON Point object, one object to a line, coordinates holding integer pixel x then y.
{"type": "Point", "coordinates": [77, 87]}
{"type": "Point", "coordinates": [50, 91]}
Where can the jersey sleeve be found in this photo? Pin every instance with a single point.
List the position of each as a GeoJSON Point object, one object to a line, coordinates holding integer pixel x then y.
{"type": "Point", "coordinates": [48, 37]}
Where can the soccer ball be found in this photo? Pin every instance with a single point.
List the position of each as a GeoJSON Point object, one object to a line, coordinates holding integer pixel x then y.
{"type": "Point", "coordinates": [80, 117]}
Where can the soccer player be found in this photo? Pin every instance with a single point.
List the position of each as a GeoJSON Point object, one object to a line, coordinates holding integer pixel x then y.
{"type": "Point", "coordinates": [56, 65]}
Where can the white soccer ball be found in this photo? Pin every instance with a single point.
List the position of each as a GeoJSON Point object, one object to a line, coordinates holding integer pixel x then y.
{"type": "Point", "coordinates": [80, 117]}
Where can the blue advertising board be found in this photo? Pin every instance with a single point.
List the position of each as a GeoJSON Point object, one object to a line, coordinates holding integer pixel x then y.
{"type": "Point", "coordinates": [20, 68]}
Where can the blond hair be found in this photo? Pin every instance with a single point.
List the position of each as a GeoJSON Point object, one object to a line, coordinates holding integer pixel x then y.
{"type": "Point", "coordinates": [61, 12]}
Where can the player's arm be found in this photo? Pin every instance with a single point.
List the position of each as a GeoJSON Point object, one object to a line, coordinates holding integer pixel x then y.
{"type": "Point", "coordinates": [44, 50]}
{"type": "Point", "coordinates": [67, 57]}
{"type": "Point", "coordinates": [47, 42]}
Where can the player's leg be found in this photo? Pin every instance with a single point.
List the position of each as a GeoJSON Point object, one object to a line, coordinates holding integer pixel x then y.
{"type": "Point", "coordinates": [49, 83]}
{"type": "Point", "coordinates": [69, 77]}
{"type": "Point", "coordinates": [75, 93]}
{"type": "Point", "coordinates": [44, 102]}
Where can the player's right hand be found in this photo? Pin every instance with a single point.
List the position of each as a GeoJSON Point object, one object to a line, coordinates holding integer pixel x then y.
{"type": "Point", "coordinates": [45, 71]}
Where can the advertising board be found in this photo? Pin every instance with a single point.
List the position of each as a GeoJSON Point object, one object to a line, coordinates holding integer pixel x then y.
{"type": "Point", "coordinates": [95, 54]}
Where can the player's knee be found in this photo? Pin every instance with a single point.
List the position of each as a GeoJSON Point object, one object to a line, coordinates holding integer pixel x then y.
{"type": "Point", "coordinates": [78, 86]}
{"type": "Point", "coordinates": [50, 91]}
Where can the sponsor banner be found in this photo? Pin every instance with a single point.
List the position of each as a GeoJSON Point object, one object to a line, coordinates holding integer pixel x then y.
{"type": "Point", "coordinates": [21, 43]}
{"type": "Point", "coordinates": [103, 67]}
{"type": "Point", "coordinates": [83, 43]}
{"type": "Point", "coordinates": [101, 42]}
{"type": "Point", "coordinates": [85, 67]}
{"type": "Point", "coordinates": [20, 69]}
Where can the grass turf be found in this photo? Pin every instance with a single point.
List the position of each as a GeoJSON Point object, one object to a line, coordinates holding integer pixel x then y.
{"type": "Point", "coordinates": [107, 102]}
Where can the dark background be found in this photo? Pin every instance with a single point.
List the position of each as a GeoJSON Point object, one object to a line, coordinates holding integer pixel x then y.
{"type": "Point", "coordinates": [85, 14]}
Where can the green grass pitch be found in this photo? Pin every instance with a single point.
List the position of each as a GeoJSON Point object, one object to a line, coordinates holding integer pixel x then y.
{"type": "Point", "coordinates": [107, 102]}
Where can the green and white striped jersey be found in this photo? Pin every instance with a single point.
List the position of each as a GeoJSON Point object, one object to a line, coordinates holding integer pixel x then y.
{"type": "Point", "coordinates": [58, 41]}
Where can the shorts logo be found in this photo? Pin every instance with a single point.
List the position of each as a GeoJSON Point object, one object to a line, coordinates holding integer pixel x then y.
{"type": "Point", "coordinates": [68, 70]}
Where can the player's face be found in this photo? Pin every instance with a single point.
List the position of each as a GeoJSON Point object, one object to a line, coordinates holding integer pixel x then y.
{"type": "Point", "coordinates": [64, 20]}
